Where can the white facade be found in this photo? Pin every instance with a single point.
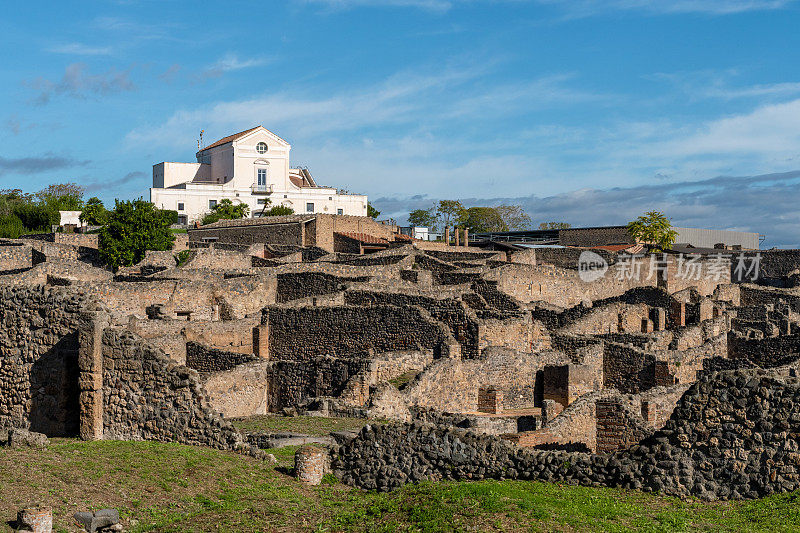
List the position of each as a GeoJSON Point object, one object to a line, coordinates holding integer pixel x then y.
{"type": "Point", "coordinates": [250, 167]}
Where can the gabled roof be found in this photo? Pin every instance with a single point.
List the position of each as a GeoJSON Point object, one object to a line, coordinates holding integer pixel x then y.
{"type": "Point", "coordinates": [237, 136]}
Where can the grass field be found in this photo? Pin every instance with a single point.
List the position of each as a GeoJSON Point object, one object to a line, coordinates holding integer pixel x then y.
{"type": "Point", "coordinates": [307, 425]}
{"type": "Point", "coordinates": [176, 488]}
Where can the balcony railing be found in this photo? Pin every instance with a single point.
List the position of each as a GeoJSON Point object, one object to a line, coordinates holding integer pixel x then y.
{"type": "Point", "coordinates": [258, 188]}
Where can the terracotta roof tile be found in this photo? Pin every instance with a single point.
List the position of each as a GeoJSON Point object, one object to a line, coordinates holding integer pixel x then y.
{"type": "Point", "coordinates": [235, 136]}
{"type": "Point", "coordinates": [229, 138]}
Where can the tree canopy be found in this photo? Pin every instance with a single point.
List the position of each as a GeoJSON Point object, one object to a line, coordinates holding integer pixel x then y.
{"type": "Point", "coordinates": [424, 218]}
{"type": "Point", "coordinates": [226, 209]}
{"type": "Point", "coordinates": [22, 212]}
{"type": "Point", "coordinates": [479, 219]}
{"type": "Point", "coordinates": [132, 228]}
{"type": "Point", "coordinates": [94, 213]}
{"type": "Point", "coordinates": [482, 220]}
{"type": "Point", "coordinates": [555, 225]}
{"type": "Point", "coordinates": [372, 212]}
{"type": "Point", "coordinates": [654, 229]}
{"type": "Point", "coordinates": [278, 210]}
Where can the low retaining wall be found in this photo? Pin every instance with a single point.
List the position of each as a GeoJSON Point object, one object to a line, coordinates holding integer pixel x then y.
{"type": "Point", "coordinates": [733, 435]}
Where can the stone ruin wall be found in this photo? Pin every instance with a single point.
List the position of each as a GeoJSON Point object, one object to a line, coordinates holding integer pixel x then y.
{"type": "Point", "coordinates": [710, 448]}
{"type": "Point", "coordinates": [63, 372]}
{"type": "Point", "coordinates": [39, 359]}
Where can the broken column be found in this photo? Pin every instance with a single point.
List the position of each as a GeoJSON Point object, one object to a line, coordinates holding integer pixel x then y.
{"type": "Point", "coordinates": [35, 519]}
{"type": "Point", "coordinates": [659, 318]}
{"type": "Point", "coordinates": [706, 310]}
{"type": "Point", "coordinates": [490, 400]}
{"type": "Point", "coordinates": [678, 314]}
{"type": "Point", "coordinates": [90, 376]}
{"type": "Point", "coordinates": [309, 464]}
{"type": "Point", "coordinates": [649, 412]}
{"type": "Point", "coordinates": [457, 232]}
{"type": "Point", "coordinates": [261, 339]}
{"type": "Point", "coordinates": [466, 236]}
{"type": "Point", "coordinates": [447, 235]}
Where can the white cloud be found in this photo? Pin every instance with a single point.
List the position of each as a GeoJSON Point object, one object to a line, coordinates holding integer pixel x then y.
{"type": "Point", "coordinates": [578, 8]}
{"type": "Point", "coordinates": [80, 49]}
{"type": "Point", "coordinates": [78, 82]}
{"type": "Point", "coordinates": [719, 84]}
{"type": "Point", "coordinates": [585, 8]}
{"type": "Point", "coordinates": [230, 63]}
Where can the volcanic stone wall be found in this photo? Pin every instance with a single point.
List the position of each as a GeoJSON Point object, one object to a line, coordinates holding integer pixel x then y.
{"type": "Point", "coordinates": [39, 359]}
{"type": "Point", "coordinates": [146, 396]}
{"type": "Point", "coordinates": [733, 435]}
{"type": "Point", "coordinates": [293, 286]}
{"type": "Point", "coordinates": [293, 381]}
{"type": "Point", "coordinates": [769, 352]}
{"type": "Point", "coordinates": [205, 359]}
{"type": "Point", "coordinates": [301, 334]}
{"type": "Point", "coordinates": [451, 312]}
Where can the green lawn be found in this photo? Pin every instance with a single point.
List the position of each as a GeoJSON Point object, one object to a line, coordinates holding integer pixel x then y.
{"type": "Point", "coordinates": [170, 487]}
{"type": "Point", "coordinates": [306, 425]}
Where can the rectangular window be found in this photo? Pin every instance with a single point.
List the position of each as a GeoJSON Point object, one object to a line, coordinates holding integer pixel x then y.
{"type": "Point", "coordinates": [180, 206]}
{"type": "Point", "coordinates": [262, 178]}
{"type": "Point", "coordinates": [310, 207]}
{"type": "Point", "coordinates": [340, 211]}
{"type": "Point", "coordinates": [262, 201]}
{"type": "Point", "coordinates": [212, 204]}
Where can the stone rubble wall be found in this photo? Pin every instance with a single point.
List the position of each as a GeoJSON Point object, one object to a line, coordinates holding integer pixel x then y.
{"type": "Point", "coordinates": [298, 334]}
{"type": "Point", "coordinates": [205, 359]}
{"type": "Point", "coordinates": [147, 396]}
{"type": "Point", "coordinates": [733, 435]}
{"type": "Point", "coordinates": [39, 359]}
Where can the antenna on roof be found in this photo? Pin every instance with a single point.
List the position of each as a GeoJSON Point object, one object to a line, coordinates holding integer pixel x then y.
{"type": "Point", "coordinates": [200, 144]}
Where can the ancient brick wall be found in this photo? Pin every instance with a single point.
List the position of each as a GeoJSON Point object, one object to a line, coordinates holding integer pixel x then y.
{"type": "Point", "coordinates": [304, 333]}
{"type": "Point", "coordinates": [39, 359]}
{"type": "Point", "coordinates": [290, 232]}
{"type": "Point", "coordinates": [617, 428]}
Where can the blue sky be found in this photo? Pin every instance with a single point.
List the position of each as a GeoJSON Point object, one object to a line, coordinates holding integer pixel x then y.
{"type": "Point", "coordinates": [585, 111]}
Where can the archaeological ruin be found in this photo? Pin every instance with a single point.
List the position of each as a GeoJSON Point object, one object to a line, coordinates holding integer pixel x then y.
{"type": "Point", "coordinates": [488, 363]}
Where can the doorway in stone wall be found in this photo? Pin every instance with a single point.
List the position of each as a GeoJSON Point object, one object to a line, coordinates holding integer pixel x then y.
{"type": "Point", "coordinates": [54, 405]}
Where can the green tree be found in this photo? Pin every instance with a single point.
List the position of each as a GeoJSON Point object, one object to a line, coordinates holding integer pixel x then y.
{"type": "Point", "coordinates": [653, 229]}
{"type": "Point", "coordinates": [514, 217]}
{"type": "Point", "coordinates": [62, 197]}
{"type": "Point", "coordinates": [372, 212]}
{"type": "Point", "coordinates": [423, 218]}
{"type": "Point", "coordinates": [482, 220]}
{"type": "Point", "coordinates": [94, 213]}
{"type": "Point", "coordinates": [132, 228]}
{"type": "Point", "coordinates": [226, 209]}
{"type": "Point", "coordinates": [449, 212]}
{"type": "Point", "coordinates": [277, 211]}
{"type": "Point", "coordinates": [36, 217]}
{"type": "Point", "coordinates": [555, 225]}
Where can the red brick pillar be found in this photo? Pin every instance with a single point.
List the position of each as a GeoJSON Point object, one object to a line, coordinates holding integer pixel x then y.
{"type": "Point", "coordinates": [678, 314]}
{"type": "Point", "coordinates": [490, 400]}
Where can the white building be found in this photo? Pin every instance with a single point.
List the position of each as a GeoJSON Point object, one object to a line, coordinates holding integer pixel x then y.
{"type": "Point", "coordinates": [250, 167]}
